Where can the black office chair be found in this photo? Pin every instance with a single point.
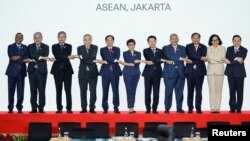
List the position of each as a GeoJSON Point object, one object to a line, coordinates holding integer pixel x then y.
{"type": "Point", "coordinates": [101, 129]}
{"type": "Point", "coordinates": [245, 123]}
{"type": "Point", "coordinates": [165, 132]}
{"type": "Point", "coordinates": [150, 133]}
{"type": "Point", "coordinates": [153, 124]}
{"type": "Point", "coordinates": [39, 131]}
{"type": "Point", "coordinates": [131, 127]}
{"type": "Point", "coordinates": [183, 129]}
{"type": "Point", "coordinates": [68, 126]}
{"type": "Point", "coordinates": [203, 132]}
{"type": "Point", "coordinates": [217, 123]}
{"type": "Point", "coordinates": [82, 133]}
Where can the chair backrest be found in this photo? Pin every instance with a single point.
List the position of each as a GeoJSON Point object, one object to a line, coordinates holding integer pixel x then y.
{"type": "Point", "coordinates": [245, 123]}
{"type": "Point", "coordinates": [183, 129]}
{"type": "Point", "coordinates": [150, 133]}
{"type": "Point", "coordinates": [101, 129]}
{"type": "Point", "coordinates": [203, 132]}
{"type": "Point", "coordinates": [39, 131]}
{"type": "Point", "coordinates": [82, 133]}
{"type": "Point", "coordinates": [131, 127]}
{"type": "Point", "coordinates": [217, 123]}
{"type": "Point", "coordinates": [153, 124]}
{"type": "Point", "coordinates": [68, 126]}
{"type": "Point", "coordinates": [165, 132]}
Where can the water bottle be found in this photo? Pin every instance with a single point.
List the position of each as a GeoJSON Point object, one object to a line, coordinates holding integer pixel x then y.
{"type": "Point", "coordinates": [192, 133]}
{"type": "Point", "coordinates": [59, 132]}
{"type": "Point", "coordinates": [126, 132]}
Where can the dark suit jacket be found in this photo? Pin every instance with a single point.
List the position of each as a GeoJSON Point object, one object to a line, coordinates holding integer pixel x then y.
{"type": "Point", "coordinates": [34, 54]}
{"type": "Point", "coordinates": [129, 58]}
{"type": "Point", "coordinates": [151, 70]}
{"type": "Point", "coordinates": [105, 70]}
{"type": "Point", "coordinates": [195, 56]}
{"type": "Point", "coordinates": [62, 62]}
{"type": "Point", "coordinates": [169, 54]}
{"type": "Point", "coordinates": [235, 69]}
{"type": "Point", "coordinates": [15, 66]}
{"type": "Point", "coordinates": [87, 60]}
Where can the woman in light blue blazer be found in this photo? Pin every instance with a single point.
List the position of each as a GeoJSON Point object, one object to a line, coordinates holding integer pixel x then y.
{"type": "Point", "coordinates": [131, 73]}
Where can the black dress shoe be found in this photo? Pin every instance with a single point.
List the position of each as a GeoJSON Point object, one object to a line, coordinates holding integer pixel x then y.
{"type": "Point", "coordinates": [190, 111]}
{"type": "Point", "coordinates": [134, 111]}
{"type": "Point", "coordinates": [59, 112]}
{"type": "Point", "coordinates": [41, 111]}
{"type": "Point", "coordinates": [10, 112]}
{"type": "Point", "coordinates": [33, 111]}
{"type": "Point", "coordinates": [155, 112]}
{"type": "Point", "coordinates": [166, 112]}
{"type": "Point", "coordinates": [69, 112]}
{"type": "Point", "coordinates": [83, 111]}
{"type": "Point", "coordinates": [20, 112]}
{"type": "Point", "coordinates": [147, 112]}
{"type": "Point", "coordinates": [238, 111]}
{"type": "Point", "coordinates": [232, 111]}
{"type": "Point", "coordinates": [105, 111]}
{"type": "Point", "coordinates": [117, 112]}
{"type": "Point", "coordinates": [199, 112]}
{"type": "Point", "coordinates": [92, 111]}
{"type": "Point", "coordinates": [180, 111]}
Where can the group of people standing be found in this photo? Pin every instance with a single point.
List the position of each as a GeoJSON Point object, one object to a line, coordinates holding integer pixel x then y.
{"type": "Point", "coordinates": [179, 63]}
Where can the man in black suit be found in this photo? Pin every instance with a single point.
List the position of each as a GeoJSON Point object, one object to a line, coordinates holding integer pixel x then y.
{"type": "Point", "coordinates": [88, 72]}
{"type": "Point", "coordinates": [195, 72]}
{"type": "Point", "coordinates": [16, 72]}
{"type": "Point", "coordinates": [152, 74]}
{"type": "Point", "coordinates": [62, 71]}
{"type": "Point", "coordinates": [37, 69]}
{"type": "Point", "coordinates": [236, 73]}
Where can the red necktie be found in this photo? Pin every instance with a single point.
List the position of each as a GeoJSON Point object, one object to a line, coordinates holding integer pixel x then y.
{"type": "Point", "coordinates": [110, 66]}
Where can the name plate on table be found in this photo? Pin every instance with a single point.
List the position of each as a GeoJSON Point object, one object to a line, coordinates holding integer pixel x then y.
{"type": "Point", "coordinates": [60, 139]}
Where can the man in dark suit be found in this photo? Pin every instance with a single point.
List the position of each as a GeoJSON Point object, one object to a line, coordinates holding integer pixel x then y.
{"type": "Point", "coordinates": [37, 69]}
{"type": "Point", "coordinates": [16, 72]}
{"type": "Point", "coordinates": [152, 74]}
{"type": "Point", "coordinates": [88, 72]}
{"type": "Point", "coordinates": [174, 72]}
{"type": "Point", "coordinates": [195, 72]}
{"type": "Point", "coordinates": [110, 72]}
{"type": "Point", "coordinates": [236, 73]}
{"type": "Point", "coordinates": [62, 71]}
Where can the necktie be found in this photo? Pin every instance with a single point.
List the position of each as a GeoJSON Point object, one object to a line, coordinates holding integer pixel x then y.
{"type": "Point", "coordinates": [153, 51]}
{"type": "Point", "coordinates": [235, 50]}
{"type": "Point", "coordinates": [87, 50]}
{"type": "Point", "coordinates": [196, 48]}
{"type": "Point", "coordinates": [174, 49]}
{"type": "Point", "coordinates": [37, 47]}
{"type": "Point", "coordinates": [110, 66]}
{"type": "Point", "coordinates": [62, 46]}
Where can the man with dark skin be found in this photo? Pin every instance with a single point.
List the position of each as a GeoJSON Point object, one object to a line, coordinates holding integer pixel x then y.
{"type": "Point", "coordinates": [16, 72]}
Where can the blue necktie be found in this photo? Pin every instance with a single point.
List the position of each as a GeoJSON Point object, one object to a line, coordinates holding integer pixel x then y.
{"type": "Point", "coordinates": [37, 48]}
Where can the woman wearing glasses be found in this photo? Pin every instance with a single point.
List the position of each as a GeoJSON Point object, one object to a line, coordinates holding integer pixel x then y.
{"type": "Point", "coordinates": [215, 71]}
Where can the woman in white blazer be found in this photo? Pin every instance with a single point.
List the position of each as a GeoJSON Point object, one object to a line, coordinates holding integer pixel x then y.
{"type": "Point", "coordinates": [215, 71]}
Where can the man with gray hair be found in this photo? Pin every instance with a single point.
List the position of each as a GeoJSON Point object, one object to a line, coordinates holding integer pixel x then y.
{"type": "Point", "coordinates": [174, 72]}
{"type": "Point", "coordinates": [88, 72]}
{"type": "Point", "coordinates": [62, 71]}
{"type": "Point", "coordinates": [37, 69]}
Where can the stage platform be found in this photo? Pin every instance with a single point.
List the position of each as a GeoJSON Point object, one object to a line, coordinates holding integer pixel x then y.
{"type": "Point", "coordinates": [18, 123]}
